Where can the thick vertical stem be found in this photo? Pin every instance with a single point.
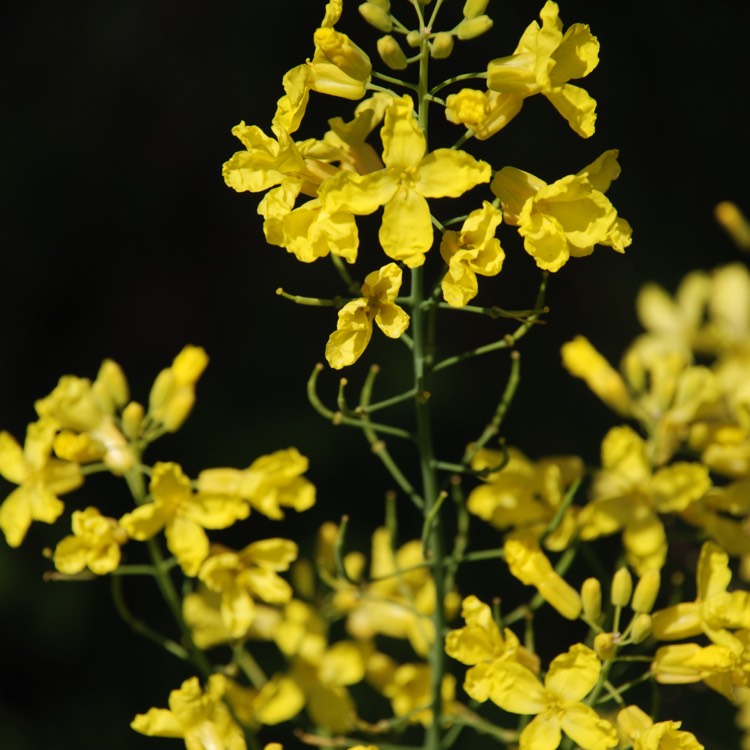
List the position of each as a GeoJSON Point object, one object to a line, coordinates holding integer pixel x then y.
{"type": "Point", "coordinates": [423, 359]}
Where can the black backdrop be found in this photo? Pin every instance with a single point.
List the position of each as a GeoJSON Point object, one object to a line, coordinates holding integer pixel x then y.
{"type": "Point", "coordinates": [119, 239]}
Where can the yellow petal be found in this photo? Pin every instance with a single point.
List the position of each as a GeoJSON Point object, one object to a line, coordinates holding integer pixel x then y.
{"type": "Point", "coordinates": [352, 335]}
{"type": "Point", "coordinates": [404, 144]}
{"type": "Point", "coordinates": [406, 232]}
{"type": "Point", "coordinates": [541, 733]}
{"type": "Point", "coordinates": [573, 675]}
{"type": "Point", "coordinates": [449, 173]}
{"type": "Point", "coordinates": [587, 729]}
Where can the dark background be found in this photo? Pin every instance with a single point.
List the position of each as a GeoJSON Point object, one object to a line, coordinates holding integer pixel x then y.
{"type": "Point", "coordinates": [119, 239]}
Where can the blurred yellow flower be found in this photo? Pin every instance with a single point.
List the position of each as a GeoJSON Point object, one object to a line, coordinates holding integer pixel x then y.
{"type": "Point", "coordinates": [201, 718]}
{"type": "Point", "coordinates": [270, 483]}
{"type": "Point", "coordinates": [95, 544]}
{"type": "Point", "coordinates": [40, 479]}
{"type": "Point", "coordinates": [182, 514]}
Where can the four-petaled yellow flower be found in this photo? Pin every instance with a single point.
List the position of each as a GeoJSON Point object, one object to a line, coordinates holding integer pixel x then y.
{"type": "Point", "coordinates": [566, 218]}
{"type": "Point", "coordinates": [543, 63]}
{"type": "Point", "coordinates": [482, 112]}
{"type": "Point", "coordinates": [270, 483]}
{"type": "Point", "coordinates": [557, 704]}
{"type": "Point", "coordinates": [471, 251]}
{"type": "Point", "coordinates": [40, 479]}
{"type": "Point", "coordinates": [410, 176]}
{"type": "Point", "coordinates": [183, 515]}
{"type": "Point", "coordinates": [638, 727]}
{"type": "Point", "coordinates": [628, 495]}
{"type": "Point", "coordinates": [354, 328]}
{"type": "Point", "coordinates": [201, 718]}
{"type": "Point", "coordinates": [241, 577]}
{"type": "Point", "coordinates": [95, 544]}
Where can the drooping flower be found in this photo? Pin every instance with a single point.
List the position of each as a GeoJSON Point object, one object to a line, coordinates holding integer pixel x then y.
{"type": "Point", "coordinates": [544, 62]}
{"type": "Point", "coordinates": [410, 176]}
{"type": "Point", "coordinates": [472, 250]}
{"type": "Point", "coordinates": [201, 718]}
{"type": "Point", "coordinates": [531, 566]}
{"type": "Point", "coordinates": [40, 478]}
{"type": "Point", "coordinates": [640, 730]}
{"type": "Point", "coordinates": [183, 515]}
{"type": "Point", "coordinates": [566, 218]}
{"type": "Point", "coordinates": [95, 544]}
{"type": "Point", "coordinates": [377, 303]}
{"type": "Point", "coordinates": [557, 704]}
{"type": "Point", "coordinates": [714, 609]}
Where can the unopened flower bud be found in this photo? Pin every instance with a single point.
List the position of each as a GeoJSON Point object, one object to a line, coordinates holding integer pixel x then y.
{"type": "Point", "coordinates": [414, 38]}
{"type": "Point", "coordinates": [377, 16]}
{"type": "Point", "coordinates": [343, 53]}
{"type": "Point", "coordinates": [441, 46]}
{"type": "Point", "coordinates": [646, 591]}
{"type": "Point", "coordinates": [474, 8]}
{"type": "Point", "coordinates": [110, 386]}
{"type": "Point", "coordinates": [604, 645]}
{"type": "Point", "coordinates": [132, 420]}
{"type": "Point", "coordinates": [471, 28]}
{"type": "Point", "coordinates": [391, 53]}
{"type": "Point", "coordinates": [622, 587]}
{"type": "Point", "coordinates": [591, 597]}
{"type": "Point", "coordinates": [640, 628]}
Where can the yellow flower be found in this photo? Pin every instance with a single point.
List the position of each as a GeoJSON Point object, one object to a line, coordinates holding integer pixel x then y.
{"type": "Point", "coordinates": [95, 544]}
{"type": "Point", "coordinates": [85, 412]}
{"type": "Point", "coordinates": [320, 673]}
{"type": "Point", "coordinates": [482, 112]}
{"type": "Point", "coordinates": [723, 667]}
{"type": "Point", "coordinates": [395, 604]}
{"type": "Point", "coordinates": [270, 483]}
{"type": "Point", "coordinates": [641, 731]}
{"type": "Point", "coordinates": [714, 608]}
{"type": "Point", "coordinates": [530, 565]}
{"type": "Point", "coordinates": [581, 360]}
{"type": "Point", "coordinates": [241, 577]}
{"type": "Point", "coordinates": [173, 392]}
{"type": "Point", "coordinates": [566, 218]}
{"type": "Point", "coordinates": [543, 63]}
{"type": "Point", "coordinates": [474, 250]}
{"type": "Point", "coordinates": [201, 718]}
{"type": "Point", "coordinates": [40, 477]}
{"type": "Point", "coordinates": [354, 328]}
{"type": "Point", "coordinates": [481, 645]}
{"type": "Point", "coordinates": [410, 693]}
{"type": "Point", "coordinates": [183, 515]}
{"type": "Point", "coordinates": [410, 177]}
{"type": "Point", "coordinates": [524, 495]}
{"type": "Point", "coordinates": [557, 704]}
{"type": "Point", "coordinates": [627, 495]}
